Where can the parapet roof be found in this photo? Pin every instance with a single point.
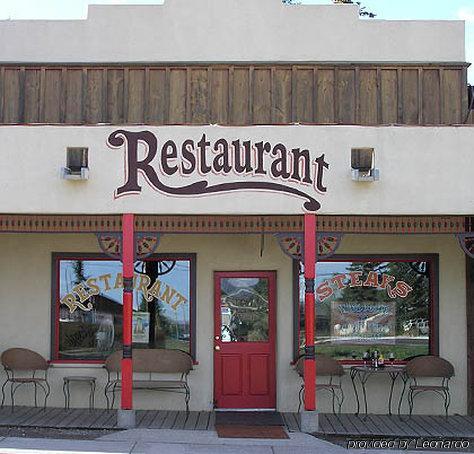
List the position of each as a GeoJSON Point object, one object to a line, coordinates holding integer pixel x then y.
{"type": "Point", "coordinates": [229, 31]}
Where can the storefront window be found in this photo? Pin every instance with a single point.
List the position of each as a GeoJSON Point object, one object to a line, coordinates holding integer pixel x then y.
{"type": "Point", "coordinates": [366, 304]}
{"type": "Point", "coordinates": [87, 295]}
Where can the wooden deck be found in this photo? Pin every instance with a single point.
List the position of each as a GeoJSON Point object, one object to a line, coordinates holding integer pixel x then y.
{"type": "Point", "coordinates": [330, 424]}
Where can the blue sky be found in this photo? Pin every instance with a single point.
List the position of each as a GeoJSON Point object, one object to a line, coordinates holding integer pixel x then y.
{"type": "Point", "coordinates": [385, 9]}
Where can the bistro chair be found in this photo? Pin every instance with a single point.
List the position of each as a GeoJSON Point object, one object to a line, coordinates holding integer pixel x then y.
{"type": "Point", "coordinates": [21, 366]}
{"type": "Point", "coordinates": [429, 367]}
{"type": "Point", "coordinates": [325, 367]}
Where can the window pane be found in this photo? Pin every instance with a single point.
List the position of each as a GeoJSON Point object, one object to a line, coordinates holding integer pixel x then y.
{"type": "Point", "coordinates": [90, 306]}
{"type": "Point", "coordinates": [364, 305]}
{"type": "Point", "coordinates": [244, 309]}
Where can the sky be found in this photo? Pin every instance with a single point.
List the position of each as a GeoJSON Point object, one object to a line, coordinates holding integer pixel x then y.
{"type": "Point", "coordinates": [385, 9]}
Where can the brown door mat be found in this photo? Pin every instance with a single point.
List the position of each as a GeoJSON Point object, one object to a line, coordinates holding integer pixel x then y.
{"type": "Point", "coordinates": [240, 431]}
{"type": "Point", "coordinates": [249, 418]}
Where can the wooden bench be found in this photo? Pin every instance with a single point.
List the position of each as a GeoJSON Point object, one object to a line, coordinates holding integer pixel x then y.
{"type": "Point", "coordinates": [146, 364]}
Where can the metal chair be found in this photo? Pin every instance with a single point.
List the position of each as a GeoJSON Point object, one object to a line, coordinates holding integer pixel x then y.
{"type": "Point", "coordinates": [429, 367]}
{"type": "Point", "coordinates": [26, 363]}
{"type": "Point", "coordinates": [325, 367]}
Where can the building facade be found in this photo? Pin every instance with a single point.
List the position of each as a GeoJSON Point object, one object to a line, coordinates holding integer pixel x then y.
{"type": "Point", "coordinates": [223, 133]}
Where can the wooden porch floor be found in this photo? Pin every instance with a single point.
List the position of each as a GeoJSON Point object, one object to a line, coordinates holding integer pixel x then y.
{"type": "Point", "coordinates": [330, 424]}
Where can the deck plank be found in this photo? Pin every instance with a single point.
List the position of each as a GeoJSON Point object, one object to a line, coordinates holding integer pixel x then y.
{"type": "Point", "coordinates": [426, 428]}
{"type": "Point", "coordinates": [346, 420]}
{"type": "Point", "coordinates": [442, 425]}
{"type": "Point", "coordinates": [110, 419]}
{"type": "Point", "coordinates": [291, 421]}
{"type": "Point", "coordinates": [211, 425]}
{"type": "Point", "coordinates": [331, 424]}
{"type": "Point", "coordinates": [170, 419]}
{"type": "Point", "coordinates": [180, 421]}
{"type": "Point", "coordinates": [57, 417]}
{"type": "Point", "coordinates": [159, 419]}
{"type": "Point", "coordinates": [191, 421]}
{"type": "Point", "coordinates": [359, 423]}
{"type": "Point", "coordinates": [38, 418]}
{"type": "Point", "coordinates": [463, 423]}
{"type": "Point", "coordinates": [326, 421]}
{"type": "Point", "coordinates": [203, 420]}
{"type": "Point", "coordinates": [147, 419]}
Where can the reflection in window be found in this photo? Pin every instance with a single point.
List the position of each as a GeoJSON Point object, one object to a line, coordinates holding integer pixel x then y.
{"type": "Point", "coordinates": [362, 305]}
{"type": "Point", "coordinates": [244, 309]}
{"type": "Point", "coordinates": [89, 316]}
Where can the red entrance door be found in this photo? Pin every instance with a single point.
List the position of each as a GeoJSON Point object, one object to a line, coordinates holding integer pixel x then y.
{"type": "Point", "coordinates": [244, 340]}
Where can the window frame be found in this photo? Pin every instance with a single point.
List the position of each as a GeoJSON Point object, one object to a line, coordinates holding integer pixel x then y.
{"type": "Point", "coordinates": [433, 259]}
{"type": "Point", "coordinates": [55, 300]}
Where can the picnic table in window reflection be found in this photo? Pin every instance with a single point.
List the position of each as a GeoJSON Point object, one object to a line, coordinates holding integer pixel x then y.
{"type": "Point", "coordinates": [363, 372]}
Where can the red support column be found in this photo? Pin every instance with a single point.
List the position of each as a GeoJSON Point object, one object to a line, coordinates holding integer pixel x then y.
{"type": "Point", "coordinates": [309, 274]}
{"type": "Point", "coordinates": [128, 252]}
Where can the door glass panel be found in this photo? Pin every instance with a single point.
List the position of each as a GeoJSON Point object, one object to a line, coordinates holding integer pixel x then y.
{"type": "Point", "coordinates": [244, 309]}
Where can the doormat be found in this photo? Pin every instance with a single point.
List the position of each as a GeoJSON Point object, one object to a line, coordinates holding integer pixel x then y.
{"type": "Point", "coordinates": [241, 431]}
{"type": "Point", "coordinates": [249, 418]}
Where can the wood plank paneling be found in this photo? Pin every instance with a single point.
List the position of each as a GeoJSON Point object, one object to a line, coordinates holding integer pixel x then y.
{"type": "Point", "coordinates": [388, 88]}
{"type": "Point", "coordinates": [177, 96]}
{"type": "Point", "coordinates": [11, 98]}
{"type": "Point", "coordinates": [325, 96]}
{"type": "Point", "coordinates": [281, 99]}
{"type": "Point", "coordinates": [94, 96]}
{"type": "Point", "coordinates": [32, 95]}
{"type": "Point", "coordinates": [199, 96]}
{"type": "Point", "coordinates": [220, 96]}
{"type": "Point", "coordinates": [231, 94]}
{"type": "Point", "coordinates": [262, 96]}
{"type": "Point", "coordinates": [451, 107]}
{"type": "Point", "coordinates": [136, 96]}
{"type": "Point", "coordinates": [368, 97]}
{"type": "Point", "coordinates": [115, 101]}
{"type": "Point", "coordinates": [74, 96]}
{"type": "Point", "coordinates": [431, 97]}
{"type": "Point", "coordinates": [346, 96]}
{"type": "Point", "coordinates": [410, 96]}
{"type": "Point", "coordinates": [240, 97]}
{"type": "Point", "coordinates": [304, 95]}
{"type": "Point", "coordinates": [156, 112]}
{"type": "Point", "coordinates": [52, 96]}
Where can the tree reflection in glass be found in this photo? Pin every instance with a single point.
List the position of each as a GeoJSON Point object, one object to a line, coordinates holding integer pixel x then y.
{"type": "Point", "coordinates": [244, 309]}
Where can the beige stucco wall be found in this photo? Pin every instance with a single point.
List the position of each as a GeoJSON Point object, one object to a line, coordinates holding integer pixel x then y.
{"type": "Point", "coordinates": [232, 31]}
{"type": "Point", "coordinates": [25, 294]}
{"type": "Point", "coordinates": [416, 175]}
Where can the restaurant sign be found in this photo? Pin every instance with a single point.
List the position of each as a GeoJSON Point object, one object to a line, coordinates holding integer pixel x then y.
{"type": "Point", "coordinates": [81, 295]}
{"type": "Point", "coordinates": [199, 166]}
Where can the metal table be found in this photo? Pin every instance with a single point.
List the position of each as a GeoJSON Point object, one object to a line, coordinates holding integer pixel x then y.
{"type": "Point", "coordinates": [363, 373]}
{"type": "Point", "coordinates": [78, 379]}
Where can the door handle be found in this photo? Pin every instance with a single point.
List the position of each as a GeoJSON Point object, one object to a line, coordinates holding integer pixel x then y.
{"type": "Point", "coordinates": [217, 347]}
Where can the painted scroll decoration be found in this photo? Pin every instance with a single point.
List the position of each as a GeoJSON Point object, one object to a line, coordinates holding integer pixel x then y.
{"type": "Point", "coordinates": [240, 160]}
{"type": "Point", "coordinates": [292, 244]}
{"type": "Point", "coordinates": [110, 244]}
{"type": "Point", "coordinates": [145, 244]}
{"type": "Point", "coordinates": [466, 241]}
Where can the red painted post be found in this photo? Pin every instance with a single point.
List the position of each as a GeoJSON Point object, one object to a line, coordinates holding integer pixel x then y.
{"type": "Point", "coordinates": [309, 275]}
{"type": "Point", "coordinates": [128, 250]}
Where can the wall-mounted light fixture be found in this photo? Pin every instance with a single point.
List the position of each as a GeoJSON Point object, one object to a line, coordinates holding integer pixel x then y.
{"type": "Point", "coordinates": [363, 165]}
{"type": "Point", "coordinates": [77, 164]}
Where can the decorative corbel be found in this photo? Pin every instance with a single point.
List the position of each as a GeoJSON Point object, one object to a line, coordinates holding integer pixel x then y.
{"type": "Point", "coordinates": [292, 244]}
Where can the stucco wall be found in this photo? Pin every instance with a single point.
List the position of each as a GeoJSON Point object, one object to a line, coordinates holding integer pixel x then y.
{"type": "Point", "coordinates": [25, 270]}
{"type": "Point", "coordinates": [229, 30]}
{"type": "Point", "coordinates": [418, 172]}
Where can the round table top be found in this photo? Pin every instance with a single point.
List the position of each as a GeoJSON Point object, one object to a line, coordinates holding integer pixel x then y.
{"type": "Point", "coordinates": [79, 378]}
{"type": "Point", "coordinates": [387, 369]}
